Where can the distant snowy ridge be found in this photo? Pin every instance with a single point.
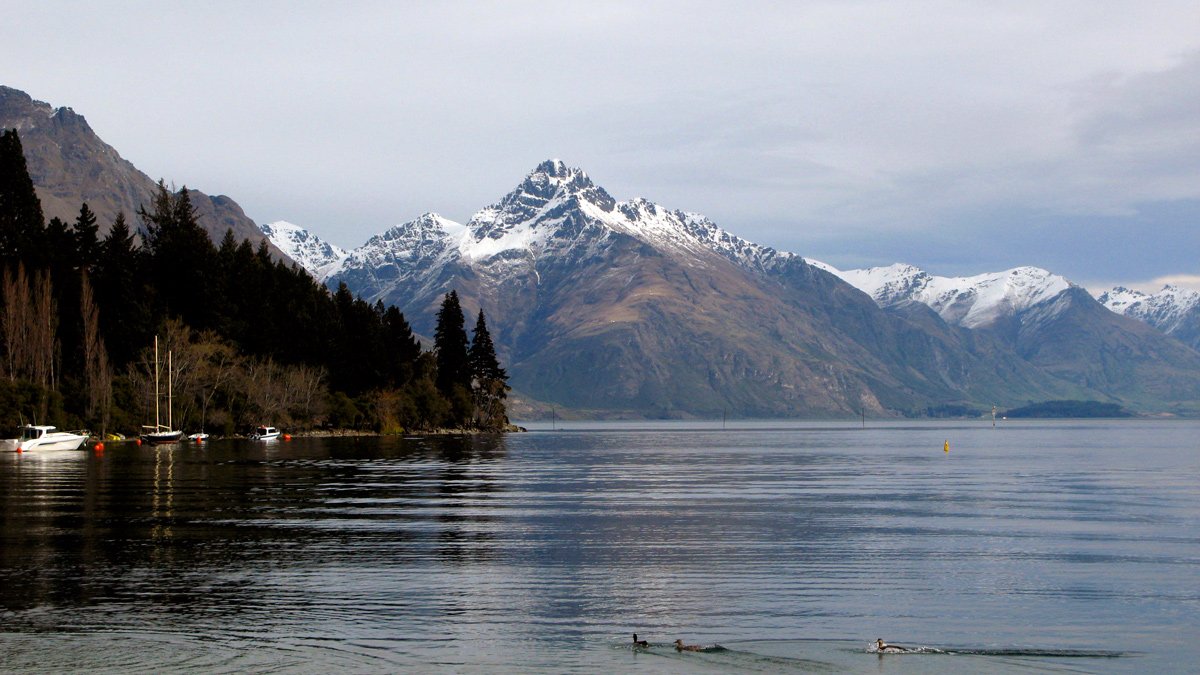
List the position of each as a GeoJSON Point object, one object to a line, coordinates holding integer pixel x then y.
{"type": "Point", "coordinates": [547, 203]}
{"type": "Point", "coordinates": [1166, 310]}
{"type": "Point", "coordinates": [555, 208]}
{"type": "Point", "coordinates": [970, 302]}
{"type": "Point", "coordinates": [558, 213]}
{"type": "Point", "coordinates": [316, 256]}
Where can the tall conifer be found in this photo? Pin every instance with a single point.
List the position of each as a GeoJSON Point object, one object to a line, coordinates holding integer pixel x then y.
{"type": "Point", "coordinates": [21, 220]}
{"type": "Point", "coordinates": [450, 343]}
{"type": "Point", "coordinates": [86, 231]}
{"type": "Point", "coordinates": [484, 364]}
{"type": "Point", "coordinates": [182, 257]}
{"type": "Point", "coordinates": [490, 386]}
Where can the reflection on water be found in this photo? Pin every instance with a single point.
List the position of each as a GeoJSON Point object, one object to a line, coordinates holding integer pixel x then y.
{"type": "Point", "coordinates": [1032, 546]}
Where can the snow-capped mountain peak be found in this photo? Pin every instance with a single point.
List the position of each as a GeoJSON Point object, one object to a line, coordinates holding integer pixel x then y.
{"type": "Point", "coordinates": [315, 255]}
{"type": "Point", "coordinates": [966, 301]}
{"type": "Point", "coordinates": [555, 207]}
{"type": "Point", "coordinates": [1120, 298]}
{"type": "Point", "coordinates": [549, 190]}
{"type": "Point", "coordinates": [1166, 310]}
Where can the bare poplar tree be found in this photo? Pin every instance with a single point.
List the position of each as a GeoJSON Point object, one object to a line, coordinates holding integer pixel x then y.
{"type": "Point", "coordinates": [16, 323]}
{"type": "Point", "coordinates": [306, 385]}
{"type": "Point", "coordinates": [97, 373]}
{"type": "Point", "coordinates": [44, 333]}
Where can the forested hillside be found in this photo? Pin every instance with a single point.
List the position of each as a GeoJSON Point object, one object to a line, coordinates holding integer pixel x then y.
{"type": "Point", "coordinates": [252, 340]}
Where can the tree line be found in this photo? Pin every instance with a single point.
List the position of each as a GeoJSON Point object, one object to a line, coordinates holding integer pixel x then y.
{"type": "Point", "coordinates": [252, 340]}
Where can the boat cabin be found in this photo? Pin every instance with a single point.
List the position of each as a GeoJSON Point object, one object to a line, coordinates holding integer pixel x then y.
{"type": "Point", "coordinates": [31, 432]}
{"type": "Point", "coordinates": [265, 433]}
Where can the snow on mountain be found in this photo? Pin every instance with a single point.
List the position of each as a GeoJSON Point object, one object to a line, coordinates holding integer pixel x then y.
{"type": "Point", "coordinates": [1166, 310]}
{"type": "Point", "coordinates": [411, 252]}
{"type": "Point", "coordinates": [556, 208]}
{"type": "Point", "coordinates": [316, 256]}
{"type": "Point", "coordinates": [966, 301]}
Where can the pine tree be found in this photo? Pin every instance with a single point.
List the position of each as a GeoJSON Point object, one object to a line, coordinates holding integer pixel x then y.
{"type": "Point", "coordinates": [490, 386]}
{"type": "Point", "coordinates": [122, 293]}
{"type": "Point", "coordinates": [484, 364]}
{"type": "Point", "coordinates": [21, 220]}
{"type": "Point", "coordinates": [402, 349]}
{"type": "Point", "coordinates": [63, 265]}
{"type": "Point", "coordinates": [450, 344]}
{"type": "Point", "coordinates": [87, 241]}
{"type": "Point", "coordinates": [182, 257]}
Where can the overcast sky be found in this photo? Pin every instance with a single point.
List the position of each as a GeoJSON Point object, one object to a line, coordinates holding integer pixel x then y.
{"type": "Point", "coordinates": [962, 137]}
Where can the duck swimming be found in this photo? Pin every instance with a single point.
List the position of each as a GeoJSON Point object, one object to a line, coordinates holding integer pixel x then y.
{"type": "Point", "coordinates": [639, 644]}
{"type": "Point", "coordinates": [680, 647]}
{"type": "Point", "coordinates": [884, 648]}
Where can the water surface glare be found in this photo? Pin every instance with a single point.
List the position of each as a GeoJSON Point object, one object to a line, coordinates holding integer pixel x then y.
{"type": "Point", "coordinates": [1035, 546]}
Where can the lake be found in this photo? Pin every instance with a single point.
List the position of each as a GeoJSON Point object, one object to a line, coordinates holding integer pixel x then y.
{"type": "Point", "coordinates": [1067, 546]}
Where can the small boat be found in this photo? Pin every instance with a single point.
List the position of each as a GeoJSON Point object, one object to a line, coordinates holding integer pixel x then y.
{"type": "Point", "coordinates": [42, 437]}
{"type": "Point", "coordinates": [161, 437]}
{"type": "Point", "coordinates": [198, 437]}
{"type": "Point", "coordinates": [163, 433]}
{"type": "Point", "coordinates": [264, 434]}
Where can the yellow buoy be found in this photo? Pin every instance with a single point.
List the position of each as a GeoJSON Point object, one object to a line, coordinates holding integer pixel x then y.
{"type": "Point", "coordinates": [946, 447]}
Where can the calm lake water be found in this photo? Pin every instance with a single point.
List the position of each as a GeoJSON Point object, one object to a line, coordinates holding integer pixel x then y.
{"type": "Point", "coordinates": [1035, 546]}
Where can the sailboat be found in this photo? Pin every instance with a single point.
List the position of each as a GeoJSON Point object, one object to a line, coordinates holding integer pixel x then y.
{"type": "Point", "coordinates": [161, 433]}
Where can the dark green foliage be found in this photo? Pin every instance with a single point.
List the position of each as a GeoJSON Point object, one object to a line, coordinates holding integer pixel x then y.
{"type": "Point", "coordinates": [490, 385]}
{"type": "Point", "coordinates": [86, 233]}
{"type": "Point", "coordinates": [484, 364]}
{"type": "Point", "coordinates": [1069, 409]}
{"type": "Point", "coordinates": [951, 410]}
{"type": "Point", "coordinates": [402, 348]}
{"type": "Point", "coordinates": [450, 345]}
{"type": "Point", "coordinates": [264, 338]}
{"type": "Point", "coordinates": [20, 399]}
{"type": "Point", "coordinates": [21, 221]}
{"type": "Point", "coordinates": [122, 294]}
{"type": "Point", "coordinates": [182, 258]}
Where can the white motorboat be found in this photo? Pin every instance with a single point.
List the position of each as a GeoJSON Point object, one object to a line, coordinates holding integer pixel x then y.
{"type": "Point", "coordinates": [40, 437]}
{"type": "Point", "coordinates": [198, 437]}
{"type": "Point", "coordinates": [264, 434]}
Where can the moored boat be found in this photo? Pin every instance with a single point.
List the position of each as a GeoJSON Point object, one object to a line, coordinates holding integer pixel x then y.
{"type": "Point", "coordinates": [161, 437]}
{"type": "Point", "coordinates": [265, 434]}
{"type": "Point", "coordinates": [162, 433]}
{"type": "Point", "coordinates": [41, 437]}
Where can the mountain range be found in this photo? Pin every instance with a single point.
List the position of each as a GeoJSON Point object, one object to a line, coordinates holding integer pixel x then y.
{"type": "Point", "coordinates": [70, 165]}
{"type": "Point", "coordinates": [630, 306]}
{"type": "Point", "coordinates": [1173, 310]}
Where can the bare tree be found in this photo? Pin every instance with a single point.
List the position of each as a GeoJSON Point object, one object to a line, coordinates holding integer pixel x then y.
{"type": "Point", "coordinates": [306, 385]}
{"type": "Point", "coordinates": [16, 323]}
{"type": "Point", "coordinates": [97, 373]}
{"type": "Point", "coordinates": [219, 363]}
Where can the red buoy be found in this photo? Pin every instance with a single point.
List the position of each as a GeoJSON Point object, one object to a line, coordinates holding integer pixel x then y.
{"type": "Point", "coordinates": [138, 441]}
{"type": "Point", "coordinates": [287, 437]}
{"type": "Point", "coordinates": [99, 447]}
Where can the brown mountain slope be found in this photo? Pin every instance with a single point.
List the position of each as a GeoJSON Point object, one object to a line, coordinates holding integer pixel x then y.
{"type": "Point", "coordinates": [628, 308]}
{"type": "Point", "coordinates": [70, 165]}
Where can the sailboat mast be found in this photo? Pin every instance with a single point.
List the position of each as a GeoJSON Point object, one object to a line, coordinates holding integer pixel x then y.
{"type": "Point", "coordinates": [157, 426]}
{"type": "Point", "coordinates": [170, 401]}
